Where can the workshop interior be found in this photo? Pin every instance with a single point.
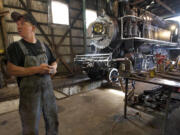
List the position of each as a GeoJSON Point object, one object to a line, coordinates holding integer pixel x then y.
{"type": "Point", "coordinates": [118, 67]}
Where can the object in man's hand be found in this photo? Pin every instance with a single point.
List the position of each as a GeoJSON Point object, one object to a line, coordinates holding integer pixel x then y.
{"type": "Point", "coordinates": [52, 70]}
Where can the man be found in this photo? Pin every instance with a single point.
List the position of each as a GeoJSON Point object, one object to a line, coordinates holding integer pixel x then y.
{"type": "Point", "coordinates": [32, 63]}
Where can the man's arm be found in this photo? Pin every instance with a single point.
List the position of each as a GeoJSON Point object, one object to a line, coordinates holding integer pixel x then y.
{"type": "Point", "coordinates": [22, 71]}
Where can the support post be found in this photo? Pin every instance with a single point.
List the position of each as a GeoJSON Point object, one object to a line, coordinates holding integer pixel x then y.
{"type": "Point", "coordinates": [125, 100]}
{"type": "Point", "coordinates": [84, 26]}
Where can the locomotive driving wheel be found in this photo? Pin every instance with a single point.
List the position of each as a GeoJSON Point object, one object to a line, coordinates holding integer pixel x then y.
{"type": "Point", "coordinates": [113, 75]}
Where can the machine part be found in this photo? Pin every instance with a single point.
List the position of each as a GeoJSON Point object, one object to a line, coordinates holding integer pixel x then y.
{"type": "Point", "coordinates": [102, 32]}
{"type": "Point", "coordinates": [95, 65]}
{"type": "Point", "coordinates": [148, 62]}
{"type": "Point", "coordinates": [155, 99]}
{"type": "Point", "coordinates": [89, 60]}
{"type": "Point", "coordinates": [113, 75]}
{"type": "Point", "coordinates": [122, 84]}
{"type": "Point", "coordinates": [131, 28]}
{"type": "Point", "coordinates": [125, 65]}
{"type": "Point", "coordinates": [148, 26]}
{"type": "Point", "coordinates": [94, 73]}
{"type": "Point", "coordinates": [138, 62]}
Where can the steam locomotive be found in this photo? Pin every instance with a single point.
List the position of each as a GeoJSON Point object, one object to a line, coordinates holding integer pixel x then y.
{"type": "Point", "coordinates": [124, 40]}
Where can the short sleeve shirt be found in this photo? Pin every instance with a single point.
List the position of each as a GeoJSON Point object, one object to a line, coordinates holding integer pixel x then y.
{"type": "Point", "coordinates": [16, 56]}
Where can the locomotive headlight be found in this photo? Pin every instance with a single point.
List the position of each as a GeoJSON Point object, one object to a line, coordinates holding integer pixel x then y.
{"type": "Point", "coordinates": [173, 27]}
{"type": "Point", "coordinates": [166, 34]}
{"type": "Point", "coordinates": [98, 28]}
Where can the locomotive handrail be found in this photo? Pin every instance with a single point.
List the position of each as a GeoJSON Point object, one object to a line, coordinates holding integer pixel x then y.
{"type": "Point", "coordinates": [102, 54]}
{"type": "Point", "coordinates": [130, 16]}
{"type": "Point", "coordinates": [152, 40]}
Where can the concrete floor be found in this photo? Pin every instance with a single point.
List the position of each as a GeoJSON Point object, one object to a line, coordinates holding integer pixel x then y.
{"type": "Point", "coordinates": [98, 112]}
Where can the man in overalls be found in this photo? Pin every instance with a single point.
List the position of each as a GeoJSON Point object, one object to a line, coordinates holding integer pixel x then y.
{"type": "Point", "coordinates": [32, 63]}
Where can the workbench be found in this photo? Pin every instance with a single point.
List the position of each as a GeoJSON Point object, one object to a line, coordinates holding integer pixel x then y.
{"type": "Point", "coordinates": [157, 81]}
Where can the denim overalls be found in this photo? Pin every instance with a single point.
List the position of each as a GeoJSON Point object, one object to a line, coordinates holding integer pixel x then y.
{"type": "Point", "coordinates": [36, 96]}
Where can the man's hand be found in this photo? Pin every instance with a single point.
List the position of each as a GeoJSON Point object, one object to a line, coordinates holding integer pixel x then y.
{"type": "Point", "coordinates": [19, 71]}
{"type": "Point", "coordinates": [53, 67]}
{"type": "Point", "coordinates": [44, 69]}
{"type": "Point", "coordinates": [52, 70]}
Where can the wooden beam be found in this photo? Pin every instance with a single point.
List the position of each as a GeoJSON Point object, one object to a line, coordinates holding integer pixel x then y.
{"type": "Point", "coordinates": [76, 9]}
{"type": "Point", "coordinates": [70, 36]}
{"type": "Point", "coordinates": [53, 40]}
{"type": "Point", "coordinates": [4, 12]}
{"type": "Point", "coordinates": [3, 27]}
{"type": "Point", "coordinates": [28, 4]}
{"type": "Point", "coordinates": [62, 39]}
{"type": "Point", "coordinates": [84, 25]}
{"type": "Point", "coordinates": [136, 2]}
{"type": "Point", "coordinates": [67, 67]}
{"type": "Point", "coordinates": [32, 10]}
{"type": "Point", "coordinates": [52, 35]}
{"type": "Point", "coordinates": [165, 6]}
{"type": "Point", "coordinates": [44, 1]}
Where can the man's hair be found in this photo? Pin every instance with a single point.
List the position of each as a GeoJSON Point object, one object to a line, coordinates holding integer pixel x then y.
{"type": "Point", "coordinates": [27, 17]}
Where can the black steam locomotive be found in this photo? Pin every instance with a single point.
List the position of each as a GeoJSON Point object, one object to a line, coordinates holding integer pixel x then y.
{"type": "Point", "coordinates": [126, 39]}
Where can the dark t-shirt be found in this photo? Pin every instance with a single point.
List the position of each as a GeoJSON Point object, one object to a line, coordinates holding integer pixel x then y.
{"type": "Point", "coordinates": [16, 56]}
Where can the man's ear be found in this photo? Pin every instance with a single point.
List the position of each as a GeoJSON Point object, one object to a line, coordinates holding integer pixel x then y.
{"type": "Point", "coordinates": [33, 28]}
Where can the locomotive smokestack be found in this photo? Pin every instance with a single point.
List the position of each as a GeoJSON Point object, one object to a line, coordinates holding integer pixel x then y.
{"type": "Point", "coordinates": [123, 7]}
{"type": "Point", "coordinates": [117, 8]}
{"type": "Point", "coordinates": [109, 7]}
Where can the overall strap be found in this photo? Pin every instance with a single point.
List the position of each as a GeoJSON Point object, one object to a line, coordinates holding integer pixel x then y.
{"type": "Point", "coordinates": [43, 47]}
{"type": "Point", "coordinates": [23, 48]}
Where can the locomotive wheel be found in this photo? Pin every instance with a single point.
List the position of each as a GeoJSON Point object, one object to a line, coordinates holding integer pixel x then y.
{"type": "Point", "coordinates": [113, 75]}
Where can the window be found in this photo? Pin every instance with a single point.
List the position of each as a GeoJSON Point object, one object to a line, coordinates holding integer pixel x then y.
{"type": "Point", "coordinates": [60, 13]}
{"type": "Point", "coordinates": [91, 16]}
